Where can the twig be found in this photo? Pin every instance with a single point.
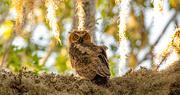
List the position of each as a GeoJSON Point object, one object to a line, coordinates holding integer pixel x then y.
{"type": "Point", "coordinates": [13, 35]}
{"type": "Point", "coordinates": [47, 56]}
{"type": "Point", "coordinates": [177, 23]}
{"type": "Point", "coordinates": [164, 30]}
{"type": "Point", "coordinates": [150, 25]}
{"type": "Point", "coordinates": [4, 14]}
{"type": "Point", "coordinates": [160, 63]}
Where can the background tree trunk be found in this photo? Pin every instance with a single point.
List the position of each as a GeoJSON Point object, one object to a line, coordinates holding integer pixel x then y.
{"type": "Point", "coordinates": [89, 7]}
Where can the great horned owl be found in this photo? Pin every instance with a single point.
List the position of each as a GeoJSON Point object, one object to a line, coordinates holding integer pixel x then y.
{"type": "Point", "coordinates": [87, 59]}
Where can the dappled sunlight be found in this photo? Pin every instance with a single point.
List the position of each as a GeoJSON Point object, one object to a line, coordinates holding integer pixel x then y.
{"type": "Point", "coordinates": [7, 27]}
{"type": "Point", "coordinates": [158, 5]}
{"type": "Point", "coordinates": [158, 8]}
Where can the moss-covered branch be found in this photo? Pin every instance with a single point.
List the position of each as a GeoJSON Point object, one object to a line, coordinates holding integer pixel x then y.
{"type": "Point", "coordinates": [166, 82]}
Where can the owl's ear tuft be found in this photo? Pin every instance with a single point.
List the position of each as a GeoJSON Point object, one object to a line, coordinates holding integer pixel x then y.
{"type": "Point", "coordinates": [87, 31]}
{"type": "Point", "coordinates": [74, 30]}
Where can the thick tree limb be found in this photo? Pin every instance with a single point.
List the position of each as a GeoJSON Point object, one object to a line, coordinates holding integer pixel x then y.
{"type": "Point", "coordinates": [141, 82]}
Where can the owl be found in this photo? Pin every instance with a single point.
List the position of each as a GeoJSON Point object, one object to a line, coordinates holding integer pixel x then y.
{"type": "Point", "coordinates": [88, 60]}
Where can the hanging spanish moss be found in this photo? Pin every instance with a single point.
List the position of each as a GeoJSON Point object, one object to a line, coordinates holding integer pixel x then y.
{"type": "Point", "coordinates": [18, 4]}
{"type": "Point", "coordinates": [52, 6]}
{"type": "Point", "coordinates": [80, 14]}
{"type": "Point", "coordinates": [123, 10]}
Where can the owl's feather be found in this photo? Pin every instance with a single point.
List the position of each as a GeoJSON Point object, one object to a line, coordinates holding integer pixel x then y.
{"type": "Point", "coordinates": [87, 59]}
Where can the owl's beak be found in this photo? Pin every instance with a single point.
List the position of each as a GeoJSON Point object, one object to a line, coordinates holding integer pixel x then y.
{"type": "Point", "coordinates": [81, 40]}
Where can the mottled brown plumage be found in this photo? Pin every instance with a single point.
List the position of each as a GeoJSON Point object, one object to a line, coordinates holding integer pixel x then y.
{"type": "Point", "coordinates": [87, 59]}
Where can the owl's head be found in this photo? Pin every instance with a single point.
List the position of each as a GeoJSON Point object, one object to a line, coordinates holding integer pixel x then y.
{"type": "Point", "coordinates": [79, 36]}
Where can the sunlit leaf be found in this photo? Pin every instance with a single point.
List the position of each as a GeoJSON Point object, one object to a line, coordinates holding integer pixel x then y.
{"type": "Point", "coordinates": [7, 28]}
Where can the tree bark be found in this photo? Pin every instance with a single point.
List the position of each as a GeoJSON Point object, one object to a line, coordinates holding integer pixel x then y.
{"type": "Point", "coordinates": [89, 7]}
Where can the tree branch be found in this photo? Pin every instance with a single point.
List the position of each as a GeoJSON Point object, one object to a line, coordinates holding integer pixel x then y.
{"type": "Point", "coordinates": [3, 15]}
{"type": "Point", "coordinates": [160, 36]}
{"type": "Point", "coordinates": [48, 53]}
{"type": "Point", "coordinates": [13, 35]}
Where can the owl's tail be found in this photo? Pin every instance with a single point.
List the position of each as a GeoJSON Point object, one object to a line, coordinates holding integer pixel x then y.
{"type": "Point", "coordinates": [100, 80]}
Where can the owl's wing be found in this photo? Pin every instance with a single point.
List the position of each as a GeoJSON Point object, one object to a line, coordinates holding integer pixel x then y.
{"type": "Point", "coordinates": [103, 48]}
{"type": "Point", "coordinates": [98, 56]}
{"type": "Point", "coordinates": [103, 68]}
{"type": "Point", "coordinates": [90, 48]}
{"type": "Point", "coordinates": [104, 55]}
